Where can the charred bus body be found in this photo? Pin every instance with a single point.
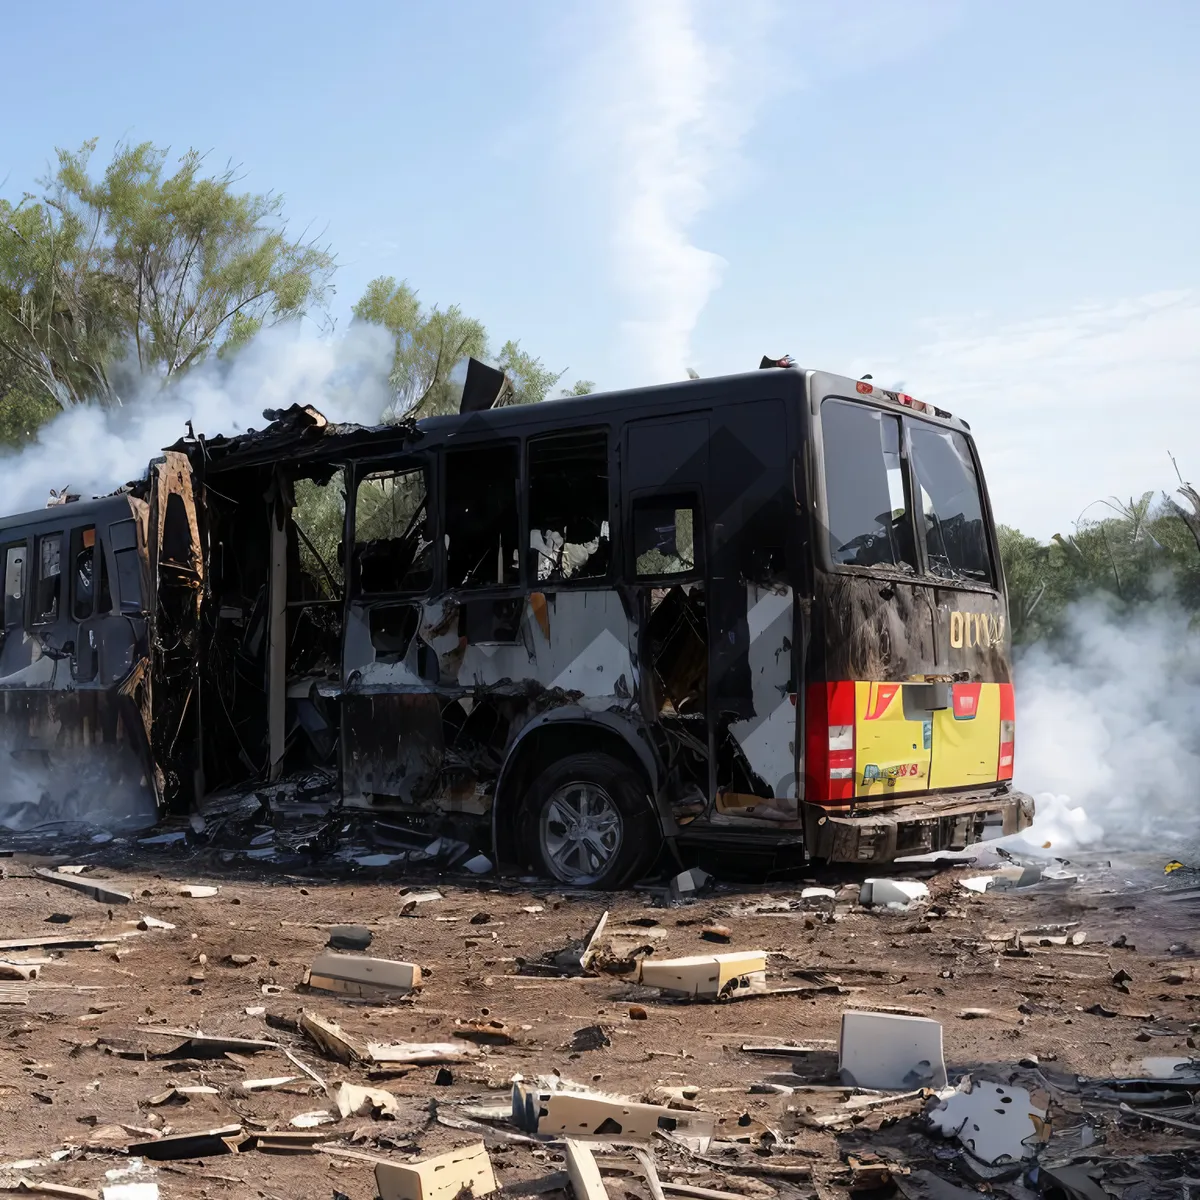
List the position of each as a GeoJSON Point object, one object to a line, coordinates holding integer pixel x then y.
{"type": "Point", "coordinates": [758, 611]}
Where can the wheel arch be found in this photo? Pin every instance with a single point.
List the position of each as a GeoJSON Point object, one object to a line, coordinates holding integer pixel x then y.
{"type": "Point", "coordinates": [554, 735]}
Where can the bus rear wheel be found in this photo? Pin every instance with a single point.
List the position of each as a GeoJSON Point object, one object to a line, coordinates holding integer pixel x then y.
{"type": "Point", "coordinates": [588, 822]}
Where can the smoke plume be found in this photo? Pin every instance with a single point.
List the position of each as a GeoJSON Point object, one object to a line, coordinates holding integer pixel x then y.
{"type": "Point", "coordinates": [92, 451]}
{"type": "Point", "coordinates": [1108, 732]}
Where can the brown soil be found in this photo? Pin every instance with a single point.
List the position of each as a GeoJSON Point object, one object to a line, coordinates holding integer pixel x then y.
{"type": "Point", "coordinates": [58, 1084]}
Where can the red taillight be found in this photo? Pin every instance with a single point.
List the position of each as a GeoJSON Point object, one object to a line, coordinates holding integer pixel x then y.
{"type": "Point", "coordinates": [829, 741]}
{"type": "Point", "coordinates": [864, 389]}
{"type": "Point", "coordinates": [1004, 768]}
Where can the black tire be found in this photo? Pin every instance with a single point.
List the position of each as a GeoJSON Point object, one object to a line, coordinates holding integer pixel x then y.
{"type": "Point", "coordinates": [622, 797]}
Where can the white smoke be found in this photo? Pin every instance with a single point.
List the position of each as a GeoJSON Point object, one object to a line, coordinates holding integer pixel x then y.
{"type": "Point", "coordinates": [1108, 732]}
{"type": "Point", "coordinates": [679, 99]}
{"type": "Point", "coordinates": [101, 787]}
{"type": "Point", "coordinates": [93, 451]}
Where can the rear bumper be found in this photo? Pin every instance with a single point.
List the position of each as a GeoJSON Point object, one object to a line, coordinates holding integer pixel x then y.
{"type": "Point", "coordinates": [938, 822]}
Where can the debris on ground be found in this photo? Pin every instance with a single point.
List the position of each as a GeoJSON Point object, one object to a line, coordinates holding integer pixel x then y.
{"type": "Point", "coordinates": [1067, 1068]}
{"type": "Point", "coordinates": [889, 1051]}
{"type": "Point", "coordinates": [892, 893]}
{"type": "Point", "coordinates": [366, 978]}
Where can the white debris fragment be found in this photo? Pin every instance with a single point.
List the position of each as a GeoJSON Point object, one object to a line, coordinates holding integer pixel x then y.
{"type": "Point", "coordinates": [890, 1052]}
{"type": "Point", "coordinates": [309, 1120]}
{"type": "Point", "coordinates": [198, 891]}
{"type": "Point", "coordinates": [995, 1122]}
{"type": "Point", "coordinates": [479, 865]}
{"type": "Point", "coordinates": [818, 893]}
{"type": "Point", "coordinates": [876, 893]}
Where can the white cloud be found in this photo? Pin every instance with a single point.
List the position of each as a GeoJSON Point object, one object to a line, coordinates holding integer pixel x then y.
{"type": "Point", "coordinates": [670, 93]}
{"type": "Point", "coordinates": [1071, 407]}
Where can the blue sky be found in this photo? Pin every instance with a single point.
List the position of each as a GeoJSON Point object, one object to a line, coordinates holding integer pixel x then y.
{"type": "Point", "coordinates": [994, 204]}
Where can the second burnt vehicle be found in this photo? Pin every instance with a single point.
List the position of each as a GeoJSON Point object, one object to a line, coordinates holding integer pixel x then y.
{"type": "Point", "coordinates": [751, 612]}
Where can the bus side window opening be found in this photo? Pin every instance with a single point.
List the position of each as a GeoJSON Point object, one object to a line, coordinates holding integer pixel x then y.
{"type": "Point", "coordinates": [481, 517]}
{"type": "Point", "coordinates": [14, 586]}
{"type": "Point", "coordinates": [869, 523]}
{"type": "Point", "coordinates": [49, 579]}
{"type": "Point", "coordinates": [83, 584]}
{"type": "Point", "coordinates": [392, 542]}
{"type": "Point", "coordinates": [568, 507]}
{"type": "Point", "coordinates": [663, 537]}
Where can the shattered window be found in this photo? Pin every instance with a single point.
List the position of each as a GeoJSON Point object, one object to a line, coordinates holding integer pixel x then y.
{"type": "Point", "coordinates": [14, 586]}
{"type": "Point", "coordinates": [663, 536]}
{"type": "Point", "coordinates": [83, 584]}
{"type": "Point", "coordinates": [481, 517]}
{"type": "Point", "coordinates": [568, 506]}
{"type": "Point", "coordinates": [392, 537]}
{"type": "Point", "coordinates": [49, 579]}
{"type": "Point", "coordinates": [320, 517]}
{"type": "Point", "coordinates": [868, 516]}
{"type": "Point", "coordinates": [951, 505]}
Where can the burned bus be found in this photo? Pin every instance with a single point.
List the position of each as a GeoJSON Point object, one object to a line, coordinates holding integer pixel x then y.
{"type": "Point", "coordinates": [758, 612]}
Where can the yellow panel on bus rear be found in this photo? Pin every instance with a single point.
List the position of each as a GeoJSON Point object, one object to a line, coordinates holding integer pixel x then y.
{"type": "Point", "coordinates": [892, 753]}
{"type": "Point", "coordinates": [966, 737]}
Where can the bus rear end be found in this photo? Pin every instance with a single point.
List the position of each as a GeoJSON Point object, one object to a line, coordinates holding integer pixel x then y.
{"type": "Point", "coordinates": [909, 711]}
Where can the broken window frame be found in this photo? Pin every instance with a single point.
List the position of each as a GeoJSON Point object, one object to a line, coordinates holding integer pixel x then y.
{"type": "Point", "coordinates": [405, 465]}
{"type": "Point", "coordinates": [532, 557]}
{"type": "Point", "coordinates": [677, 499]}
{"type": "Point", "coordinates": [79, 547]}
{"type": "Point", "coordinates": [39, 615]}
{"type": "Point", "coordinates": [12, 616]}
{"type": "Point", "coordinates": [518, 581]}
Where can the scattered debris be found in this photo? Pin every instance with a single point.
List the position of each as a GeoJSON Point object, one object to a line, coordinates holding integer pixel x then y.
{"type": "Point", "coordinates": [687, 885]}
{"type": "Point", "coordinates": [974, 1014]}
{"type": "Point", "coordinates": [349, 937]}
{"type": "Point", "coordinates": [886, 1050]}
{"type": "Point", "coordinates": [354, 1101]}
{"type": "Point", "coordinates": [590, 1037]}
{"type": "Point", "coordinates": [330, 1039]}
{"type": "Point", "coordinates": [368, 978]}
{"type": "Point", "coordinates": [419, 1053]}
{"type": "Point", "coordinates": [583, 1172]}
{"type": "Point", "coordinates": [201, 1144]}
{"type": "Point", "coordinates": [153, 923]}
{"type": "Point", "coordinates": [1004, 878]}
{"type": "Point", "coordinates": [889, 893]}
{"type": "Point", "coordinates": [309, 1120]}
{"type": "Point", "coordinates": [996, 1123]}
{"type": "Point", "coordinates": [466, 1170]}
{"type": "Point", "coordinates": [710, 976]}
{"type": "Point", "coordinates": [96, 891]}
{"type": "Point", "coordinates": [198, 891]}
{"type": "Point", "coordinates": [716, 933]}
{"type": "Point", "coordinates": [280, 1141]}
{"type": "Point", "coordinates": [592, 1114]}
{"type": "Point", "coordinates": [487, 1031]}
{"type": "Point", "coordinates": [479, 865]}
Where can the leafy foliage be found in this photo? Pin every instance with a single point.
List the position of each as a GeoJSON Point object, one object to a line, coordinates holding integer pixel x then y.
{"type": "Point", "coordinates": [159, 268]}
{"type": "Point", "coordinates": [431, 346]}
{"type": "Point", "coordinates": [1145, 550]}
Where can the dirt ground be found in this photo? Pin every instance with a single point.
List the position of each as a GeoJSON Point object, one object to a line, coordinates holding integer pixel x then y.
{"type": "Point", "coordinates": [61, 1082]}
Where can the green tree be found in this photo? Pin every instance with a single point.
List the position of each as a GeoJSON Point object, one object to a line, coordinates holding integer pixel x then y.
{"type": "Point", "coordinates": [432, 344]}
{"type": "Point", "coordinates": [1143, 551]}
{"type": "Point", "coordinates": [429, 344]}
{"type": "Point", "coordinates": [167, 267]}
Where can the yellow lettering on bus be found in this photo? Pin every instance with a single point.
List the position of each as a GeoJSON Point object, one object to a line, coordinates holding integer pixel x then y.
{"type": "Point", "coordinates": [956, 630]}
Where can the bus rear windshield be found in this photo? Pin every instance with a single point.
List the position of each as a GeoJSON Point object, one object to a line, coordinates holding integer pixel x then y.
{"type": "Point", "coordinates": [872, 497]}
